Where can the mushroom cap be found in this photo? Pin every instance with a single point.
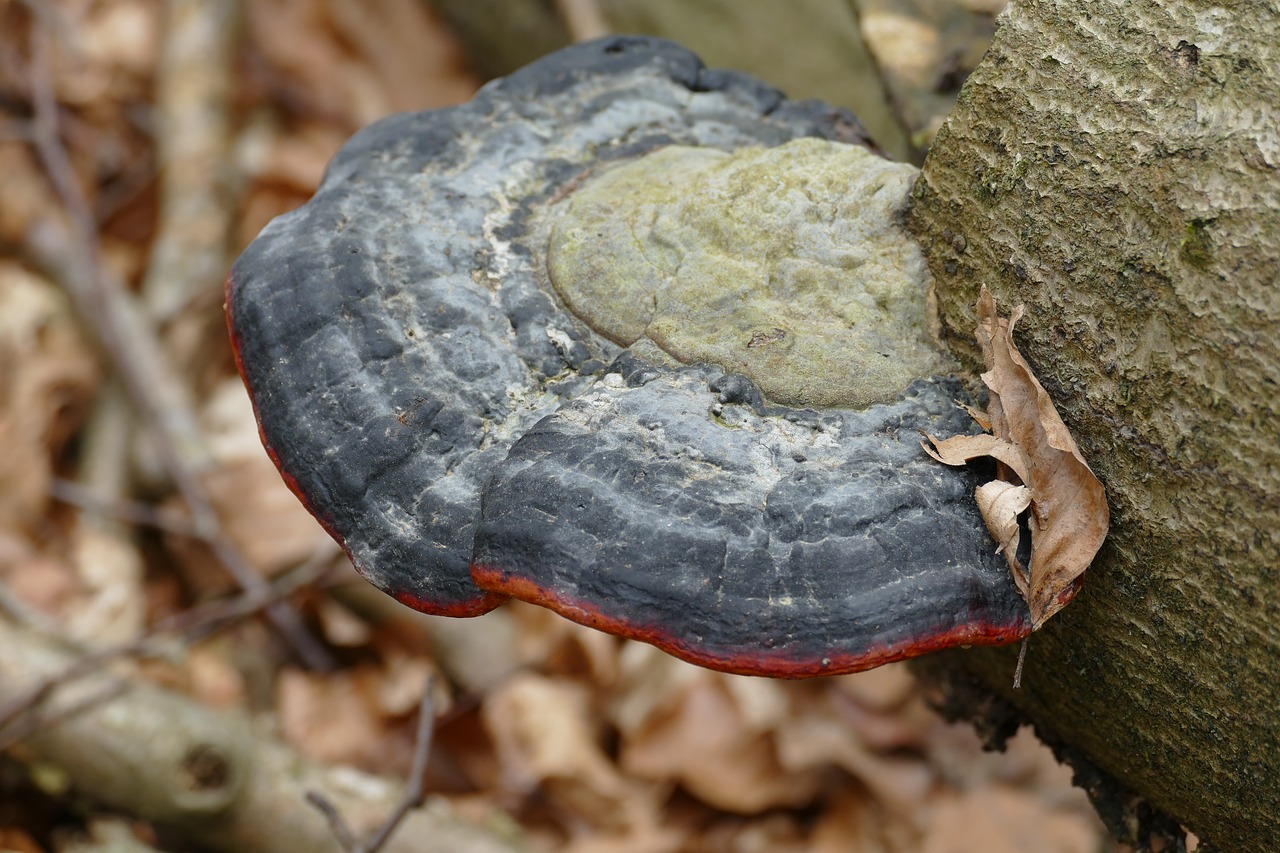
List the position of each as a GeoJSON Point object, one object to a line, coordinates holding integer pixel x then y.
{"type": "Point", "coordinates": [426, 392]}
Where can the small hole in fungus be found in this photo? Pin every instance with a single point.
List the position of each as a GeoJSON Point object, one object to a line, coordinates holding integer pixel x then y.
{"type": "Point", "coordinates": [205, 768]}
{"type": "Point", "coordinates": [614, 49]}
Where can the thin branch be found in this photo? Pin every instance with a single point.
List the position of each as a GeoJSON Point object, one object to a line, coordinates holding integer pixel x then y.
{"type": "Point", "coordinates": [121, 509]}
{"type": "Point", "coordinates": [16, 131]}
{"type": "Point", "coordinates": [191, 624]}
{"type": "Point", "coordinates": [1022, 658]}
{"type": "Point", "coordinates": [337, 824]}
{"type": "Point", "coordinates": [194, 91]}
{"type": "Point", "coordinates": [132, 346]}
{"type": "Point", "coordinates": [19, 612]}
{"type": "Point", "coordinates": [18, 732]}
{"type": "Point", "coordinates": [583, 19]}
{"type": "Point", "coordinates": [414, 796]}
{"type": "Point", "coordinates": [416, 793]}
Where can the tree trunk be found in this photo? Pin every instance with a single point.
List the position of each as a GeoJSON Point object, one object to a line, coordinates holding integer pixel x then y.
{"type": "Point", "coordinates": [1113, 165]}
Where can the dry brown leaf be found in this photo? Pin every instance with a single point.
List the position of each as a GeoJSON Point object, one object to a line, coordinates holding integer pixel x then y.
{"type": "Point", "coordinates": [1069, 514]}
{"type": "Point", "coordinates": [561, 647]}
{"type": "Point", "coordinates": [47, 377]}
{"type": "Point", "coordinates": [342, 627]}
{"type": "Point", "coordinates": [13, 840]}
{"type": "Point", "coordinates": [852, 821]}
{"type": "Point", "coordinates": [25, 192]}
{"type": "Point", "coordinates": [476, 654]}
{"type": "Point", "coordinates": [397, 687]}
{"type": "Point", "coordinates": [1000, 820]}
{"type": "Point", "coordinates": [409, 58]}
{"type": "Point", "coordinates": [902, 729]}
{"type": "Point", "coordinates": [214, 678]}
{"type": "Point", "coordinates": [772, 833]}
{"type": "Point", "coordinates": [547, 738]}
{"type": "Point", "coordinates": [36, 580]}
{"type": "Point", "coordinates": [356, 62]}
{"type": "Point", "coordinates": [896, 781]}
{"type": "Point", "coordinates": [261, 517]}
{"type": "Point", "coordinates": [329, 718]}
{"type": "Point", "coordinates": [111, 53]}
{"type": "Point", "coordinates": [707, 741]}
{"type": "Point", "coordinates": [652, 838]}
{"type": "Point", "coordinates": [111, 605]}
{"type": "Point", "coordinates": [652, 684]}
{"type": "Point", "coordinates": [1000, 504]}
{"type": "Point", "coordinates": [960, 449]}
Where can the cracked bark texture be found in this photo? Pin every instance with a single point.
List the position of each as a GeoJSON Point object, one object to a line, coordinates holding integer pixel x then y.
{"type": "Point", "coordinates": [1114, 166]}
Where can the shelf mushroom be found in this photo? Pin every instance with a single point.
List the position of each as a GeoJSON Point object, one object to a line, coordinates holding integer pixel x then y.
{"type": "Point", "coordinates": [636, 340]}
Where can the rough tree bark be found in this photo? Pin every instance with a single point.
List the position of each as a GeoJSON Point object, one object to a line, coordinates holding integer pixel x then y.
{"type": "Point", "coordinates": [1114, 166]}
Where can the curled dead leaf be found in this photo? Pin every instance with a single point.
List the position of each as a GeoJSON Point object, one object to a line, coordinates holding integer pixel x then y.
{"type": "Point", "coordinates": [1000, 504]}
{"type": "Point", "coordinates": [1035, 451]}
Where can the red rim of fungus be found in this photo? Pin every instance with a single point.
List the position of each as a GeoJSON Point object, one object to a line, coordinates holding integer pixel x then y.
{"type": "Point", "coordinates": [479, 607]}
{"type": "Point", "coordinates": [757, 661]}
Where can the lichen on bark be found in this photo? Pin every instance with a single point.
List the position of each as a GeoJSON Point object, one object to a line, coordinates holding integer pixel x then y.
{"type": "Point", "coordinates": [1114, 166]}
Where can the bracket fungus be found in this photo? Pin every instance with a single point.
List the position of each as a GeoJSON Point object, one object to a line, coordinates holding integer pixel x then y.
{"type": "Point", "coordinates": [639, 341]}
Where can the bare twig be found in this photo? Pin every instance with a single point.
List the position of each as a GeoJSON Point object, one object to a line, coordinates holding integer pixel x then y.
{"type": "Point", "coordinates": [121, 509]}
{"type": "Point", "coordinates": [18, 611]}
{"type": "Point", "coordinates": [196, 623]}
{"type": "Point", "coordinates": [341, 832]}
{"type": "Point", "coordinates": [1022, 658]}
{"type": "Point", "coordinates": [191, 624]}
{"type": "Point", "coordinates": [583, 19]}
{"type": "Point", "coordinates": [132, 346]}
{"type": "Point", "coordinates": [193, 93]}
{"type": "Point", "coordinates": [11, 734]}
{"type": "Point", "coordinates": [414, 795]}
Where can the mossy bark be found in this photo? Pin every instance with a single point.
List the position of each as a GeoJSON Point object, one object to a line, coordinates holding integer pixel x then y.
{"type": "Point", "coordinates": [1115, 167]}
